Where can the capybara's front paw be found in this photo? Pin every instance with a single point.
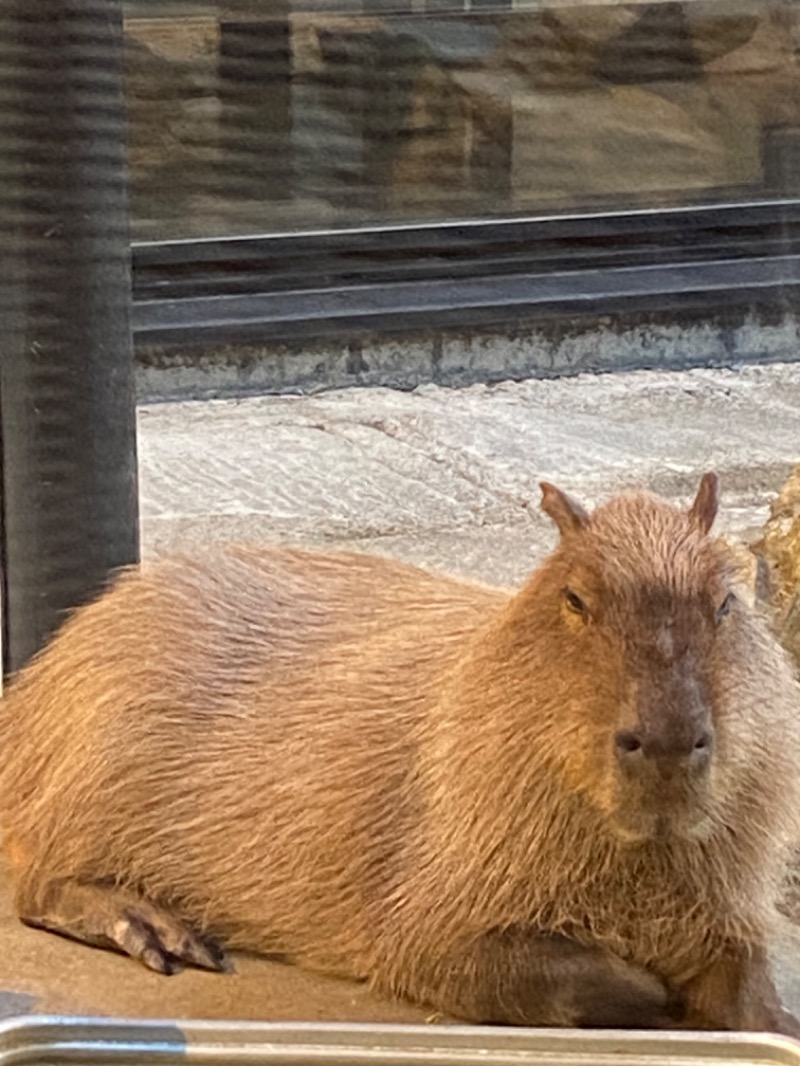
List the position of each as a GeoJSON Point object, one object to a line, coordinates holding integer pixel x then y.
{"type": "Point", "coordinates": [121, 920]}
{"type": "Point", "coordinates": [623, 996]}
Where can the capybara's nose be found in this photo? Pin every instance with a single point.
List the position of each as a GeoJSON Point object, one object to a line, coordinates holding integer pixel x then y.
{"type": "Point", "coordinates": [640, 751]}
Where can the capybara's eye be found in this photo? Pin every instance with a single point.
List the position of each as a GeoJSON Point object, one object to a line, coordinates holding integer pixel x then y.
{"type": "Point", "coordinates": [725, 607]}
{"type": "Point", "coordinates": [575, 603]}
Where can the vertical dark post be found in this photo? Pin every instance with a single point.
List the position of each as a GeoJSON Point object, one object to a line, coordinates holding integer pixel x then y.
{"type": "Point", "coordinates": [67, 411]}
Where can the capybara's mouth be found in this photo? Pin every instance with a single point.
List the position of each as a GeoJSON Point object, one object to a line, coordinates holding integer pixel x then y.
{"type": "Point", "coordinates": [642, 826]}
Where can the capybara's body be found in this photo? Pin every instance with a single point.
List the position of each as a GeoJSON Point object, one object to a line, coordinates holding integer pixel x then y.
{"type": "Point", "coordinates": [406, 778]}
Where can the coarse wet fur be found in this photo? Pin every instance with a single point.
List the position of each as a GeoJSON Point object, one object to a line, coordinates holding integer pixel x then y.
{"type": "Point", "coordinates": [568, 805]}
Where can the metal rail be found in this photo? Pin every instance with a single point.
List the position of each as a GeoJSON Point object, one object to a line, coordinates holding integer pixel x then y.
{"type": "Point", "coordinates": [85, 1042]}
{"type": "Point", "coordinates": [402, 277]}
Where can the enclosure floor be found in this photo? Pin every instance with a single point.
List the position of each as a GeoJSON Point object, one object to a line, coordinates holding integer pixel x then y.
{"type": "Point", "coordinates": [444, 478]}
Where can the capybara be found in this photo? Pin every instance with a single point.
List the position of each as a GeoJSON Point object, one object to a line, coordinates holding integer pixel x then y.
{"type": "Point", "coordinates": [568, 805]}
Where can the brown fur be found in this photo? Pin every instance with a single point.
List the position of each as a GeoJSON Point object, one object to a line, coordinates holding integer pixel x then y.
{"type": "Point", "coordinates": [365, 767]}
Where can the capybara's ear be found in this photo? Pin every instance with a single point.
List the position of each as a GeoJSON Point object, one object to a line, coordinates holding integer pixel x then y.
{"type": "Point", "coordinates": [567, 513]}
{"type": "Point", "coordinates": [706, 503]}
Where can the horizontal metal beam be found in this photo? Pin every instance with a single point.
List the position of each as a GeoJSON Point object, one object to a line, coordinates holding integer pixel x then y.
{"type": "Point", "coordinates": [425, 275]}
{"type": "Point", "coordinates": [37, 1041]}
{"type": "Point", "coordinates": [725, 219]}
{"type": "Point", "coordinates": [469, 301]}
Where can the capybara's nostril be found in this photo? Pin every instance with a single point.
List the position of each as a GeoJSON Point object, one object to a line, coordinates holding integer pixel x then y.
{"type": "Point", "coordinates": [627, 742]}
{"type": "Point", "coordinates": [703, 742]}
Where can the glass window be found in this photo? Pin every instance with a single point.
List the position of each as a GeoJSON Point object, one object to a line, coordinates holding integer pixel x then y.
{"type": "Point", "coordinates": [273, 116]}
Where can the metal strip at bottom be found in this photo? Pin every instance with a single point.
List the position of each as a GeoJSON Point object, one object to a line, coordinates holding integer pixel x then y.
{"type": "Point", "coordinates": [51, 1041]}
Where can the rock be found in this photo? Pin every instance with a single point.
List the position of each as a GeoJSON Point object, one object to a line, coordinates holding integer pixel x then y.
{"type": "Point", "coordinates": [627, 140]}
{"type": "Point", "coordinates": [188, 38]}
{"type": "Point", "coordinates": [779, 547]}
{"type": "Point", "coordinates": [676, 42]}
{"type": "Point", "coordinates": [450, 42]}
{"type": "Point", "coordinates": [717, 31]}
{"type": "Point", "coordinates": [593, 24]}
{"type": "Point", "coordinates": [434, 155]}
{"type": "Point", "coordinates": [767, 48]}
{"type": "Point", "coordinates": [173, 111]}
{"type": "Point", "coordinates": [456, 142]}
{"type": "Point", "coordinates": [551, 50]}
{"type": "Point", "coordinates": [656, 47]}
{"type": "Point", "coordinates": [751, 574]}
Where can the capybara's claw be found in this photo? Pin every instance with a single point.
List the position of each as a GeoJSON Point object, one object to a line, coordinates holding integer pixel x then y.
{"type": "Point", "coordinates": [165, 944]}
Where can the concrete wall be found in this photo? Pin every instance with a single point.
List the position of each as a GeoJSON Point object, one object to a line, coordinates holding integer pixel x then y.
{"type": "Point", "coordinates": [556, 347]}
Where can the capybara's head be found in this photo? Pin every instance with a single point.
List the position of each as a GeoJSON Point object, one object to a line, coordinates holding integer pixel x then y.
{"type": "Point", "coordinates": [641, 601]}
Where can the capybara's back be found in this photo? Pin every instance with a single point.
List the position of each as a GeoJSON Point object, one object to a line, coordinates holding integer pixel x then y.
{"type": "Point", "coordinates": [568, 805]}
